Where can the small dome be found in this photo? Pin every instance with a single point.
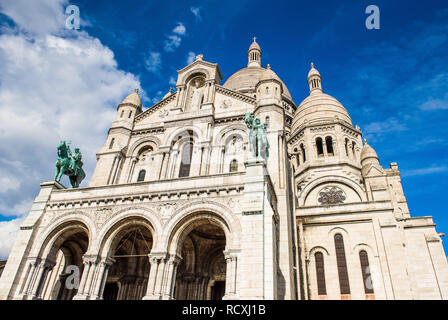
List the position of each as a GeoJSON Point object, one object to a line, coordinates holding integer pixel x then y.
{"type": "Point", "coordinates": [269, 74]}
{"type": "Point", "coordinates": [247, 78]}
{"type": "Point", "coordinates": [368, 152]}
{"type": "Point", "coordinates": [320, 107]}
{"type": "Point", "coordinates": [313, 72]}
{"type": "Point", "coordinates": [254, 45]}
{"type": "Point", "coordinates": [133, 98]}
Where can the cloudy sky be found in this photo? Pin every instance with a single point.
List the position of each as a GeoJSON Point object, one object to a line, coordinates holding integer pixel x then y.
{"type": "Point", "coordinates": [57, 83]}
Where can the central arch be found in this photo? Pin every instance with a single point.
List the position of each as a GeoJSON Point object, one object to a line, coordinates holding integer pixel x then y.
{"type": "Point", "coordinates": [201, 275]}
{"type": "Point", "coordinates": [131, 241]}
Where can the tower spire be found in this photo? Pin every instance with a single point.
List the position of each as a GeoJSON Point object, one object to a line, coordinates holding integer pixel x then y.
{"type": "Point", "coordinates": [314, 80]}
{"type": "Point", "coordinates": [254, 54]}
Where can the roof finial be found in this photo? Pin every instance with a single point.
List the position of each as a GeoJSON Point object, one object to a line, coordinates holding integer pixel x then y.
{"type": "Point", "coordinates": [136, 90]}
{"type": "Point", "coordinates": [171, 89]}
{"type": "Point", "coordinates": [269, 66]}
{"type": "Point", "coordinates": [312, 64]}
{"type": "Point", "coordinates": [255, 39]}
{"type": "Point", "coordinates": [365, 141]}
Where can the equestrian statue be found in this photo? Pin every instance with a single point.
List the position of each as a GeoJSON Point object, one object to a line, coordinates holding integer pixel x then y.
{"type": "Point", "coordinates": [70, 164]}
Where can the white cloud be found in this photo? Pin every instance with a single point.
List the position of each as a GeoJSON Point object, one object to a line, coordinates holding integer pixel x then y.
{"type": "Point", "coordinates": [8, 234]}
{"type": "Point", "coordinates": [180, 29]}
{"type": "Point", "coordinates": [424, 171]}
{"type": "Point", "coordinates": [153, 62]}
{"type": "Point", "coordinates": [191, 56]}
{"type": "Point", "coordinates": [172, 81]}
{"type": "Point", "coordinates": [197, 13]}
{"type": "Point", "coordinates": [435, 104]}
{"type": "Point", "coordinates": [172, 43]}
{"type": "Point", "coordinates": [52, 87]}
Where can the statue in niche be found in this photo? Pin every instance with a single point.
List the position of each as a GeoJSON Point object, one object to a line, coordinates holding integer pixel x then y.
{"type": "Point", "coordinates": [196, 97]}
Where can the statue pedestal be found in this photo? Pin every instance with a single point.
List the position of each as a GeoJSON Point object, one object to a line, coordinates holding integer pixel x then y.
{"type": "Point", "coordinates": [258, 267]}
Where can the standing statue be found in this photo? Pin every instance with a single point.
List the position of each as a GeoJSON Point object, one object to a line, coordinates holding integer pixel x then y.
{"type": "Point", "coordinates": [196, 97]}
{"type": "Point", "coordinates": [70, 164]}
{"type": "Point", "coordinates": [258, 141]}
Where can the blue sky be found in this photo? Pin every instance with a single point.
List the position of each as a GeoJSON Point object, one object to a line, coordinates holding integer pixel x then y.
{"type": "Point", "coordinates": [57, 83]}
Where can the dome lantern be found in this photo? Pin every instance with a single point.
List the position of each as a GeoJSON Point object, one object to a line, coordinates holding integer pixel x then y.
{"type": "Point", "coordinates": [254, 54]}
{"type": "Point", "coordinates": [314, 80]}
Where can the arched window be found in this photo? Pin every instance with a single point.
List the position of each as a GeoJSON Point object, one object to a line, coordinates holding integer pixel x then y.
{"type": "Point", "coordinates": [329, 143]}
{"type": "Point", "coordinates": [267, 122]}
{"type": "Point", "coordinates": [302, 147]}
{"type": "Point", "coordinates": [346, 146]}
{"type": "Point", "coordinates": [130, 114]}
{"type": "Point", "coordinates": [320, 148]}
{"type": "Point", "coordinates": [320, 273]}
{"type": "Point", "coordinates": [353, 150]}
{"type": "Point", "coordinates": [344, 284]}
{"type": "Point", "coordinates": [185, 163]}
{"type": "Point", "coordinates": [141, 175]}
{"type": "Point", "coordinates": [365, 269]}
{"type": "Point", "coordinates": [233, 166]}
{"type": "Point", "coordinates": [111, 145]}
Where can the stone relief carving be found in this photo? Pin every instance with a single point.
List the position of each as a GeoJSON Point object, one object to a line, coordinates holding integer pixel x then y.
{"type": "Point", "coordinates": [101, 216]}
{"type": "Point", "coordinates": [163, 113]}
{"type": "Point", "coordinates": [331, 195]}
{"type": "Point", "coordinates": [226, 104]}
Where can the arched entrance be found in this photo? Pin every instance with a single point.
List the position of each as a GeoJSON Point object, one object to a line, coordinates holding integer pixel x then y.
{"type": "Point", "coordinates": [59, 270]}
{"type": "Point", "coordinates": [127, 277]}
{"type": "Point", "coordinates": [201, 275]}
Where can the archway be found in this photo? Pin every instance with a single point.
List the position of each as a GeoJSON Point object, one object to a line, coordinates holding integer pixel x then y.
{"type": "Point", "coordinates": [127, 277]}
{"type": "Point", "coordinates": [65, 264]}
{"type": "Point", "coordinates": [201, 275]}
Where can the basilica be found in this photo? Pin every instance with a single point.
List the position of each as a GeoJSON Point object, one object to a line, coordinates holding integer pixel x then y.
{"type": "Point", "coordinates": [178, 206]}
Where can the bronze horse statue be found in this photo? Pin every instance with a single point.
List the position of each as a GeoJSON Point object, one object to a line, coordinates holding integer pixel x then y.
{"type": "Point", "coordinates": [70, 164]}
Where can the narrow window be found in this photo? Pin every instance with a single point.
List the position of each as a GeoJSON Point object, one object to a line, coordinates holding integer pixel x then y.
{"type": "Point", "coordinates": [303, 152]}
{"type": "Point", "coordinates": [141, 175]}
{"type": "Point", "coordinates": [267, 90]}
{"type": "Point", "coordinates": [346, 146]}
{"type": "Point", "coordinates": [365, 269]}
{"type": "Point", "coordinates": [344, 284]}
{"type": "Point", "coordinates": [353, 150]}
{"type": "Point", "coordinates": [320, 273]}
{"type": "Point", "coordinates": [233, 166]}
{"type": "Point", "coordinates": [185, 163]}
{"type": "Point", "coordinates": [111, 145]}
{"type": "Point", "coordinates": [267, 122]}
{"type": "Point", "coordinates": [122, 113]}
{"type": "Point", "coordinates": [320, 148]}
{"type": "Point", "coordinates": [329, 143]}
{"type": "Point", "coordinates": [130, 114]}
{"type": "Point", "coordinates": [276, 89]}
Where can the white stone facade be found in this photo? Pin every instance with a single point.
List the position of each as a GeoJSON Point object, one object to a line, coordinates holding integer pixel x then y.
{"type": "Point", "coordinates": [177, 208]}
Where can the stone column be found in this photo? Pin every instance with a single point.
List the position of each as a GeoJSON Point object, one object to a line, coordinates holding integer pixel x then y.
{"type": "Point", "coordinates": [101, 278]}
{"type": "Point", "coordinates": [173, 262]}
{"type": "Point", "coordinates": [42, 271]}
{"type": "Point", "coordinates": [33, 264]}
{"type": "Point", "coordinates": [231, 272]}
{"type": "Point", "coordinates": [156, 274]}
{"type": "Point", "coordinates": [90, 263]}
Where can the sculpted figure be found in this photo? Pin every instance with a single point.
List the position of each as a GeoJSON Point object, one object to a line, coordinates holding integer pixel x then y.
{"type": "Point", "coordinates": [196, 97]}
{"type": "Point", "coordinates": [258, 141]}
{"type": "Point", "coordinates": [70, 164]}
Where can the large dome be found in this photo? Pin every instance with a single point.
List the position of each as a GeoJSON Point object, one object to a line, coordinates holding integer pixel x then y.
{"type": "Point", "coordinates": [320, 107]}
{"type": "Point", "coordinates": [246, 79]}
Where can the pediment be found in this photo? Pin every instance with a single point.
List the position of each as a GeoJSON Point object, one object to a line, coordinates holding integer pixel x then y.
{"type": "Point", "coordinates": [374, 171]}
{"type": "Point", "coordinates": [209, 70]}
{"type": "Point", "coordinates": [157, 112]}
